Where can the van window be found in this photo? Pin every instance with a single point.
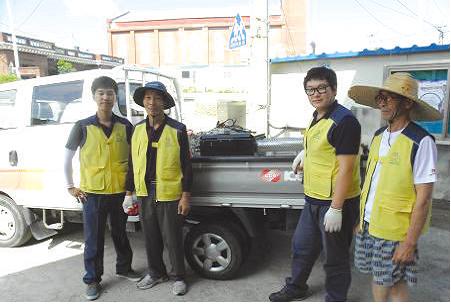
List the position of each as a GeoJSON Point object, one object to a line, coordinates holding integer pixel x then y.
{"type": "Point", "coordinates": [51, 103]}
{"type": "Point", "coordinates": [7, 102]}
{"type": "Point", "coordinates": [121, 99]}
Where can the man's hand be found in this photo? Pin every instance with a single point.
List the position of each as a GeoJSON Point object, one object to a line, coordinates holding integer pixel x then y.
{"type": "Point", "coordinates": [332, 220]}
{"type": "Point", "coordinates": [127, 204]}
{"type": "Point", "coordinates": [183, 207]}
{"type": "Point", "coordinates": [78, 194]}
{"type": "Point", "coordinates": [404, 253]}
{"type": "Point", "coordinates": [357, 229]}
{"type": "Point", "coordinates": [298, 163]}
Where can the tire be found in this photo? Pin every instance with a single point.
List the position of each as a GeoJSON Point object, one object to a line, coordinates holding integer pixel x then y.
{"type": "Point", "coordinates": [244, 239]}
{"type": "Point", "coordinates": [213, 262]}
{"type": "Point", "coordinates": [14, 231]}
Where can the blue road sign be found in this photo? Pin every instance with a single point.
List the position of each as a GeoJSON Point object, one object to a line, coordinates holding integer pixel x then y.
{"type": "Point", "coordinates": [238, 34]}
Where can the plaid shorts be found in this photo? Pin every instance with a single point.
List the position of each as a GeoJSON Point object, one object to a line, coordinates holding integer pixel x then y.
{"type": "Point", "coordinates": [374, 255]}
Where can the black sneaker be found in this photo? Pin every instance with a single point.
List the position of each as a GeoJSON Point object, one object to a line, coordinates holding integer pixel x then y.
{"type": "Point", "coordinates": [92, 291]}
{"type": "Point", "coordinates": [131, 275]}
{"type": "Point", "coordinates": [287, 294]}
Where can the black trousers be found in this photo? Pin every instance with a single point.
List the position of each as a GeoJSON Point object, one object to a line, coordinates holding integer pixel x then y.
{"type": "Point", "coordinates": [310, 238]}
{"type": "Point", "coordinates": [162, 227]}
{"type": "Point", "coordinates": [95, 211]}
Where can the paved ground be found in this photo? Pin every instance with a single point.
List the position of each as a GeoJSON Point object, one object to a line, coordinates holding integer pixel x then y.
{"type": "Point", "coordinates": [51, 270]}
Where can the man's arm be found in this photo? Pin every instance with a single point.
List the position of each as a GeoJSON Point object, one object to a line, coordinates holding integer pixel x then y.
{"type": "Point", "coordinates": [405, 251]}
{"type": "Point", "coordinates": [346, 140]}
{"type": "Point", "coordinates": [187, 180]}
{"type": "Point", "coordinates": [74, 141]}
{"type": "Point", "coordinates": [130, 178]}
{"type": "Point", "coordinates": [344, 179]}
{"type": "Point", "coordinates": [425, 174]}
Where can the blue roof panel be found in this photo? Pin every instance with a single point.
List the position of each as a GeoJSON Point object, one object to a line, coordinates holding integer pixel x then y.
{"type": "Point", "coordinates": [379, 52]}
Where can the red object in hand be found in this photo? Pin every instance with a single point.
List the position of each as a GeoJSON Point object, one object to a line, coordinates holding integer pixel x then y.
{"type": "Point", "coordinates": [133, 211]}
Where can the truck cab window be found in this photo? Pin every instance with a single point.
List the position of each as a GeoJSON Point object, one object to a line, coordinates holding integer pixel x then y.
{"type": "Point", "coordinates": [7, 116]}
{"type": "Point", "coordinates": [121, 99]}
{"type": "Point", "coordinates": [56, 103]}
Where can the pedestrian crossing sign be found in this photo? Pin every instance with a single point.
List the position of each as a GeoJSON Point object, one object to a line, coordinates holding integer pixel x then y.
{"type": "Point", "coordinates": [238, 34]}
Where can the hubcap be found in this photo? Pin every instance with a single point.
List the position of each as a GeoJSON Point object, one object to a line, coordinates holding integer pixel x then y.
{"type": "Point", "coordinates": [211, 252]}
{"type": "Point", "coordinates": [7, 224]}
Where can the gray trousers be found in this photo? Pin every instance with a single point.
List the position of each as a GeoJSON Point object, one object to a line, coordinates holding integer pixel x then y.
{"type": "Point", "coordinates": [162, 227]}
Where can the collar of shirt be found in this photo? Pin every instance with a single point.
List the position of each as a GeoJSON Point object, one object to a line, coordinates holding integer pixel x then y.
{"type": "Point", "coordinates": [328, 113]}
{"type": "Point", "coordinates": [150, 128]}
{"type": "Point", "coordinates": [95, 120]}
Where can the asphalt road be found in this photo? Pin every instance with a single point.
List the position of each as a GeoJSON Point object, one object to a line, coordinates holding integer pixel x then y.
{"type": "Point", "coordinates": [51, 270]}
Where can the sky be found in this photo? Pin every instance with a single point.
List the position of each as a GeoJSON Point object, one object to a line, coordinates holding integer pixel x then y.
{"type": "Point", "coordinates": [334, 26]}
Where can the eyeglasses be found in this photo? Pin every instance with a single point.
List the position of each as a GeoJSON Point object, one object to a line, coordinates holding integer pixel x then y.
{"type": "Point", "coordinates": [383, 98]}
{"type": "Point", "coordinates": [321, 90]}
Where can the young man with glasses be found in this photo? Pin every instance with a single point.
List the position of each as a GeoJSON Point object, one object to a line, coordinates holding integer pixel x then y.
{"type": "Point", "coordinates": [332, 189]}
{"type": "Point", "coordinates": [396, 196]}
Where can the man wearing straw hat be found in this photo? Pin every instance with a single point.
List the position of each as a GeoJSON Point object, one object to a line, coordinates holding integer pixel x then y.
{"type": "Point", "coordinates": [396, 196]}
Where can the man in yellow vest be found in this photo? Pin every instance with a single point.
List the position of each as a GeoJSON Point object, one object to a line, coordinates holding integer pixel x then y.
{"type": "Point", "coordinates": [104, 141]}
{"type": "Point", "coordinates": [396, 196]}
{"type": "Point", "coordinates": [161, 174]}
{"type": "Point", "coordinates": [332, 189]}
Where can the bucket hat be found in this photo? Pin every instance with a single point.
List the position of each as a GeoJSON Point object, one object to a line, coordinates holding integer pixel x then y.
{"type": "Point", "coordinates": [156, 86]}
{"type": "Point", "coordinates": [400, 83]}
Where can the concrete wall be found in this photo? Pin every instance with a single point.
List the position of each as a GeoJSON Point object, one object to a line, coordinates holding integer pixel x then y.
{"type": "Point", "coordinates": [290, 106]}
{"type": "Point", "coordinates": [25, 59]}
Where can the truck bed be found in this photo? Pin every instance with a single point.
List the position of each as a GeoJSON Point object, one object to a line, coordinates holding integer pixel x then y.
{"type": "Point", "coordinates": [246, 181]}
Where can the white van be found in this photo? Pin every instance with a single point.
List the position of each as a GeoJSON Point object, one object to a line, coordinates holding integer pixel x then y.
{"type": "Point", "coordinates": [36, 117]}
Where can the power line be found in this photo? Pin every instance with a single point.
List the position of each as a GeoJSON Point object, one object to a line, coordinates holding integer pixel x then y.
{"type": "Point", "coordinates": [371, 14]}
{"type": "Point", "coordinates": [390, 8]}
{"type": "Point", "coordinates": [402, 13]}
{"type": "Point", "coordinates": [438, 8]}
{"type": "Point", "coordinates": [436, 27]}
{"type": "Point", "coordinates": [407, 7]}
{"type": "Point", "coordinates": [31, 14]}
{"type": "Point", "coordinates": [416, 15]}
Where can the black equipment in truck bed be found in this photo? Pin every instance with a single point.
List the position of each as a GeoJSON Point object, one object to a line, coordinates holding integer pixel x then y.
{"type": "Point", "coordinates": [233, 144]}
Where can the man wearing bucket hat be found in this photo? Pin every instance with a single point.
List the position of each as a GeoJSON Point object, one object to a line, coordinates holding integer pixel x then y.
{"type": "Point", "coordinates": [160, 172]}
{"type": "Point", "coordinates": [396, 196]}
{"type": "Point", "coordinates": [332, 189]}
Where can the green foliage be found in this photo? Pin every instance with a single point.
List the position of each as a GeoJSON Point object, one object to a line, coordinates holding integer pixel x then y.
{"type": "Point", "coordinates": [6, 78]}
{"type": "Point", "coordinates": [64, 66]}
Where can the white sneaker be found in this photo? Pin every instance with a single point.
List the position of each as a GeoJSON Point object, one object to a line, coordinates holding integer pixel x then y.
{"type": "Point", "coordinates": [179, 288]}
{"type": "Point", "coordinates": [148, 281]}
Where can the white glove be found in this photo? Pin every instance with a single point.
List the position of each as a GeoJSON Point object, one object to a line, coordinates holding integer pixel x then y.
{"type": "Point", "coordinates": [128, 203]}
{"type": "Point", "coordinates": [332, 220]}
{"type": "Point", "coordinates": [299, 160]}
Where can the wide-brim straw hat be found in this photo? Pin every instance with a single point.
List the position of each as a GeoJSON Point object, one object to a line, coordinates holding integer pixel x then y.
{"type": "Point", "coordinates": [156, 86]}
{"type": "Point", "coordinates": [399, 83]}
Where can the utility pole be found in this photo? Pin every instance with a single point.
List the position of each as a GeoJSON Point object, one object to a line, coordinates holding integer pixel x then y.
{"type": "Point", "coordinates": [441, 33]}
{"type": "Point", "coordinates": [13, 34]}
{"type": "Point", "coordinates": [258, 105]}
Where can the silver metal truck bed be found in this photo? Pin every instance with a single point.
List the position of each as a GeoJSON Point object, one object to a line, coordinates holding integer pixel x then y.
{"type": "Point", "coordinates": [246, 182]}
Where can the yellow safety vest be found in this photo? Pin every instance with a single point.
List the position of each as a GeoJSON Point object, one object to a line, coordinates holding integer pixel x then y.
{"type": "Point", "coordinates": [168, 172]}
{"type": "Point", "coordinates": [104, 161]}
{"type": "Point", "coordinates": [321, 163]}
{"type": "Point", "coordinates": [395, 192]}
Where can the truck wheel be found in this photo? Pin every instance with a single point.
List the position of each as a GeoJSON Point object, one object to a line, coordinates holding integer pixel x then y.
{"type": "Point", "coordinates": [244, 239]}
{"type": "Point", "coordinates": [213, 251]}
{"type": "Point", "coordinates": [14, 231]}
